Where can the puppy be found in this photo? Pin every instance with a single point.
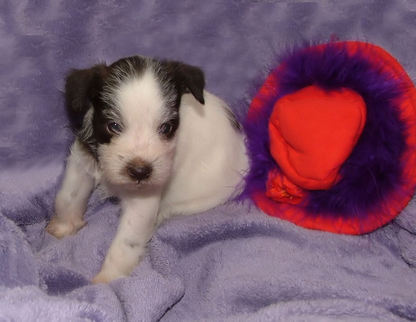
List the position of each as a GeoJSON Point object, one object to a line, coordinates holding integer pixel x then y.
{"type": "Point", "coordinates": [150, 135]}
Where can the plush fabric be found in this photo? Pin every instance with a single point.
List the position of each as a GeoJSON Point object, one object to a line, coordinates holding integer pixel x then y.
{"type": "Point", "coordinates": [232, 263]}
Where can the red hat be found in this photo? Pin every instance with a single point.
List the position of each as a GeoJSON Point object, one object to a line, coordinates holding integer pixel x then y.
{"type": "Point", "coordinates": [331, 136]}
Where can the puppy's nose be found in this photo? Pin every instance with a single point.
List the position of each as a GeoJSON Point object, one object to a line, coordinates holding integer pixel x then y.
{"type": "Point", "coordinates": [139, 172]}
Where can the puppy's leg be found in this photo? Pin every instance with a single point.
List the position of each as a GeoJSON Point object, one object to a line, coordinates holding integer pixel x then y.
{"type": "Point", "coordinates": [137, 224]}
{"type": "Point", "coordinates": [71, 200]}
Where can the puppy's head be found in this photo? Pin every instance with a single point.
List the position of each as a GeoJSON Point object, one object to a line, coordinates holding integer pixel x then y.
{"type": "Point", "coordinates": [127, 114]}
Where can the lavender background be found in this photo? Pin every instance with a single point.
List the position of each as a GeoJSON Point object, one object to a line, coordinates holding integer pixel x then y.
{"type": "Point", "coordinates": [232, 263]}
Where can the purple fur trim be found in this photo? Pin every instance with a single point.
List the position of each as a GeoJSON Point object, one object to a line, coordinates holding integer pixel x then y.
{"type": "Point", "coordinates": [374, 168]}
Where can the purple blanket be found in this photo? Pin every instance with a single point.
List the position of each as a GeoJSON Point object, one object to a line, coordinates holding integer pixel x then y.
{"type": "Point", "coordinates": [232, 263]}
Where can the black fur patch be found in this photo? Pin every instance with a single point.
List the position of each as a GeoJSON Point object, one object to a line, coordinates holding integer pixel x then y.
{"type": "Point", "coordinates": [89, 94]}
{"type": "Point", "coordinates": [187, 78]}
{"type": "Point", "coordinates": [82, 87]}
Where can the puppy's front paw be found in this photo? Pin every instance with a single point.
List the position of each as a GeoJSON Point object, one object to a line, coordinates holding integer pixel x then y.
{"type": "Point", "coordinates": [64, 227]}
{"type": "Point", "coordinates": [105, 276]}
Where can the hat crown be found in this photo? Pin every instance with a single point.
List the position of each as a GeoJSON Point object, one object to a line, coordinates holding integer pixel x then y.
{"type": "Point", "coordinates": [313, 131]}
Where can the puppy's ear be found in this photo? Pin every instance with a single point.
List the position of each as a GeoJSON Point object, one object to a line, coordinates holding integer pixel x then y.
{"type": "Point", "coordinates": [82, 90]}
{"type": "Point", "coordinates": [189, 79]}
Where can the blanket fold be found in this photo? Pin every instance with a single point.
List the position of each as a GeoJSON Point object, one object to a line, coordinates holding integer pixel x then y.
{"type": "Point", "coordinates": [231, 263]}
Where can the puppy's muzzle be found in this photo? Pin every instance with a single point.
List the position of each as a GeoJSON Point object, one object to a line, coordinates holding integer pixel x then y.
{"type": "Point", "coordinates": [139, 170]}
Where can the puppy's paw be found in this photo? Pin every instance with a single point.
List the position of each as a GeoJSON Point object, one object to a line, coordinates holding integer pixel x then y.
{"type": "Point", "coordinates": [105, 276]}
{"type": "Point", "coordinates": [64, 227]}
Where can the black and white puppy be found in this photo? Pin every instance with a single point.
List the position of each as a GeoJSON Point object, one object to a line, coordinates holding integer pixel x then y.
{"type": "Point", "coordinates": [148, 132]}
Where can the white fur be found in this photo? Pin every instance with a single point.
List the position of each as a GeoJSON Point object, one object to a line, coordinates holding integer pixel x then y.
{"type": "Point", "coordinates": [201, 167]}
{"type": "Point", "coordinates": [141, 108]}
{"type": "Point", "coordinates": [71, 200]}
{"type": "Point", "coordinates": [210, 158]}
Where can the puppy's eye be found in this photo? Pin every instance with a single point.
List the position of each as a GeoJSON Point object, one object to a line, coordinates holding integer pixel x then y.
{"type": "Point", "coordinates": [114, 127]}
{"type": "Point", "coordinates": [166, 128]}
